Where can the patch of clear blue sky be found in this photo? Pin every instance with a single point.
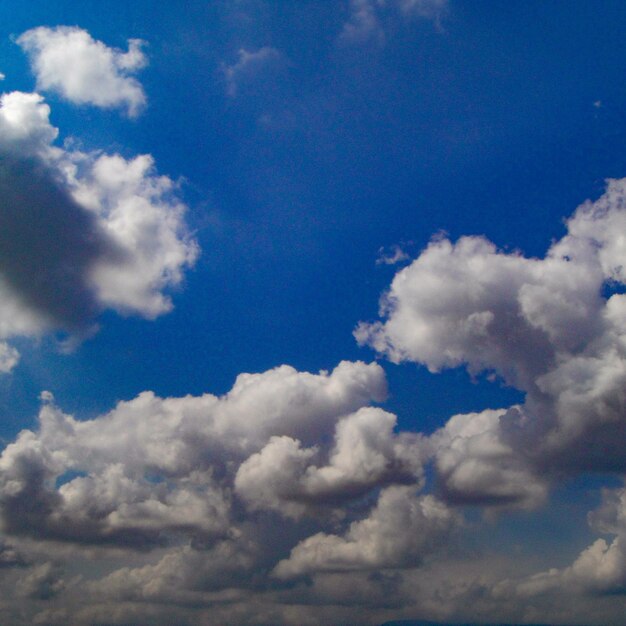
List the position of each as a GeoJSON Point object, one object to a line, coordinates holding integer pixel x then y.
{"type": "Point", "coordinates": [487, 126]}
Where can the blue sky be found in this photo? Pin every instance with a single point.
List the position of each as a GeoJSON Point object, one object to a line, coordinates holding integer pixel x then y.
{"type": "Point", "coordinates": [304, 160]}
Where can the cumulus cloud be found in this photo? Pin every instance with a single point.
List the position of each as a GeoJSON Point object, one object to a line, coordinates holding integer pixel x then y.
{"type": "Point", "coordinates": [250, 67]}
{"type": "Point", "coordinates": [542, 325]}
{"type": "Point", "coordinates": [366, 454]}
{"type": "Point", "coordinates": [600, 569]}
{"type": "Point", "coordinates": [80, 231]}
{"type": "Point", "coordinates": [69, 62]}
{"type": "Point", "coordinates": [193, 501]}
{"type": "Point", "coordinates": [400, 530]}
{"type": "Point", "coordinates": [476, 466]}
{"type": "Point", "coordinates": [156, 466]}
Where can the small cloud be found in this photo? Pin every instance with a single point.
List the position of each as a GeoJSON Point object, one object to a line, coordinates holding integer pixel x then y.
{"type": "Point", "coordinates": [9, 357]}
{"type": "Point", "coordinates": [363, 23]}
{"type": "Point", "coordinates": [2, 76]}
{"type": "Point", "coordinates": [598, 104]}
{"type": "Point", "coordinates": [69, 62]}
{"type": "Point", "coordinates": [46, 397]}
{"type": "Point", "coordinates": [367, 17]}
{"type": "Point", "coordinates": [249, 66]}
{"type": "Point", "coordinates": [391, 257]}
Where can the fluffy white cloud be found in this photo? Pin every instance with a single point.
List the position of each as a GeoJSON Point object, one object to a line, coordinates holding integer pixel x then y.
{"type": "Point", "coordinates": [156, 466]}
{"type": "Point", "coordinates": [25, 129]}
{"type": "Point", "coordinates": [476, 466]}
{"type": "Point", "coordinates": [69, 62]}
{"type": "Point", "coordinates": [366, 453]}
{"type": "Point", "coordinates": [540, 324]}
{"type": "Point", "coordinates": [100, 231]}
{"type": "Point", "coordinates": [400, 530]}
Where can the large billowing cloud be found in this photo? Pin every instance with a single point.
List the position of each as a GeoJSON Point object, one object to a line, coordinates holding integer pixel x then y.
{"type": "Point", "coordinates": [155, 466]}
{"type": "Point", "coordinates": [201, 482]}
{"type": "Point", "coordinates": [541, 325]}
{"type": "Point", "coordinates": [80, 232]}
{"type": "Point", "coordinates": [69, 62]}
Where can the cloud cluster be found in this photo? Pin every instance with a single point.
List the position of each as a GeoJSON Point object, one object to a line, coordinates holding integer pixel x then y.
{"type": "Point", "coordinates": [553, 328]}
{"type": "Point", "coordinates": [293, 490]}
{"type": "Point", "coordinates": [256, 501]}
{"type": "Point", "coordinates": [155, 466]}
{"type": "Point", "coordinates": [399, 531]}
{"type": "Point", "coordinates": [201, 482]}
{"type": "Point", "coordinates": [80, 231]}
{"type": "Point", "coordinates": [69, 62]}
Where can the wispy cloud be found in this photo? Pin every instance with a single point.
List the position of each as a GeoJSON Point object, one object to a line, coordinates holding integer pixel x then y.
{"type": "Point", "coordinates": [251, 67]}
{"type": "Point", "coordinates": [367, 18]}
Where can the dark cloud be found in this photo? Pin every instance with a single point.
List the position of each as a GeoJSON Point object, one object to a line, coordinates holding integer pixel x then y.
{"type": "Point", "coordinates": [48, 244]}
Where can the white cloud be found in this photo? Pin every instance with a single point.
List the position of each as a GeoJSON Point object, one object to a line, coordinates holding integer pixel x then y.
{"type": "Point", "coordinates": [9, 357]}
{"type": "Point", "coordinates": [25, 129]}
{"type": "Point", "coordinates": [400, 530]}
{"type": "Point", "coordinates": [392, 257]}
{"type": "Point", "coordinates": [475, 465]}
{"type": "Point", "coordinates": [363, 23]}
{"type": "Point", "coordinates": [69, 62]}
{"type": "Point", "coordinates": [101, 231]}
{"type": "Point", "coordinates": [155, 466]}
{"type": "Point", "coordinates": [365, 454]}
{"type": "Point", "coordinates": [250, 67]}
{"type": "Point", "coordinates": [540, 324]}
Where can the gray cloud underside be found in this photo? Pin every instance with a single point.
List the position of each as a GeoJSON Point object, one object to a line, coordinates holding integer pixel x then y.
{"type": "Point", "coordinates": [48, 244]}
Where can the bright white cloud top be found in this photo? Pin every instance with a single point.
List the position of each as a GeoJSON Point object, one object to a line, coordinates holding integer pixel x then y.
{"type": "Point", "coordinates": [69, 62]}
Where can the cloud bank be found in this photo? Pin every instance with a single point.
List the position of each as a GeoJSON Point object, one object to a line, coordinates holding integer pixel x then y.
{"type": "Point", "coordinates": [544, 326]}
{"type": "Point", "coordinates": [262, 497]}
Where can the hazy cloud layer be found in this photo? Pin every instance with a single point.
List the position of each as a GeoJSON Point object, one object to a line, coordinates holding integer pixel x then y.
{"type": "Point", "coordinates": [68, 61]}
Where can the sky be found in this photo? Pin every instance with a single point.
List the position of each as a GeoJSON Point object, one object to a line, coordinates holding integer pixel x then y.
{"type": "Point", "coordinates": [312, 313]}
